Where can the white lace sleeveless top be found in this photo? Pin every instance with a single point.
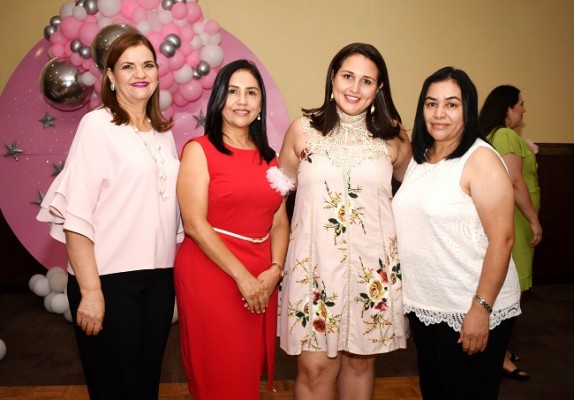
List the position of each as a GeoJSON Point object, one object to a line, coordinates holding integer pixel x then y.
{"type": "Point", "coordinates": [442, 245]}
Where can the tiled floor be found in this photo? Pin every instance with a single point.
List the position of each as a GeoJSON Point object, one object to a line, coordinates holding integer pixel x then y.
{"type": "Point", "coordinates": [41, 347]}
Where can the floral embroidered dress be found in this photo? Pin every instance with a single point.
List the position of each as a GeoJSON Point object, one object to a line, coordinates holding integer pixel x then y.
{"type": "Point", "coordinates": [342, 290]}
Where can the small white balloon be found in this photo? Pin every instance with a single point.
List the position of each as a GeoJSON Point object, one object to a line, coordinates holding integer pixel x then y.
{"type": "Point", "coordinates": [59, 303]}
{"type": "Point", "coordinates": [164, 16]}
{"type": "Point", "coordinates": [33, 280]}
{"type": "Point", "coordinates": [88, 78]}
{"type": "Point", "coordinates": [55, 270]}
{"type": "Point", "coordinates": [68, 315]}
{"type": "Point", "coordinates": [48, 301]}
{"type": "Point", "coordinates": [144, 27]}
{"type": "Point", "coordinates": [41, 287]}
{"type": "Point", "coordinates": [215, 38]}
{"type": "Point", "coordinates": [109, 8]}
{"type": "Point", "coordinates": [58, 282]}
{"type": "Point", "coordinates": [79, 13]}
{"type": "Point", "coordinates": [66, 9]}
{"type": "Point", "coordinates": [165, 99]}
{"type": "Point", "coordinates": [213, 54]}
{"type": "Point", "coordinates": [183, 75]}
{"type": "Point", "coordinates": [198, 28]}
{"type": "Point", "coordinates": [2, 349]}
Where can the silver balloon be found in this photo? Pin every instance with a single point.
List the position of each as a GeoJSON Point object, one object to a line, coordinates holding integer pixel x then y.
{"type": "Point", "coordinates": [180, 1]}
{"type": "Point", "coordinates": [167, 4]}
{"type": "Point", "coordinates": [49, 31]}
{"type": "Point", "coordinates": [75, 45]}
{"type": "Point", "coordinates": [203, 68]}
{"type": "Point", "coordinates": [196, 74]}
{"type": "Point", "coordinates": [104, 38]}
{"type": "Point", "coordinates": [85, 52]}
{"type": "Point", "coordinates": [167, 49]}
{"type": "Point", "coordinates": [91, 7]}
{"type": "Point", "coordinates": [79, 3]}
{"type": "Point", "coordinates": [61, 86]}
{"type": "Point", "coordinates": [55, 20]}
{"type": "Point", "coordinates": [173, 39]}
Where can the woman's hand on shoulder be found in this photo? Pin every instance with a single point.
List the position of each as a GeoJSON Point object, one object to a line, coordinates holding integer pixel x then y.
{"type": "Point", "coordinates": [401, 153]}
{"type": "Point", "coordinates": [293, 144]}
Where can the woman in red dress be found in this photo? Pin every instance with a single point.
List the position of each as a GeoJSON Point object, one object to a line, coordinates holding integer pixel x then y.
{"type": "Point", "coordinates": [237, 231]}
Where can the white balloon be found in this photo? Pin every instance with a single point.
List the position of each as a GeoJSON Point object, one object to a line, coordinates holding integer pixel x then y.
{"type": "Point", "coordinates": [165, 99]}
{"type": "Point", "coordinates": [48, 301]}
{"type": "Point", "coordinates": [55, 270]}
{"type": "Point", "coordinates": [41, 287]}
{"type": "Point", "coordinates": [181, 22]}
{"type": "Point", "coordinates": [196, 43]}
{"type": "Point", "coordinates": [109, 8]}
{"type": "Point", "coordinates": [33, 280]}
{"type": "Point", "coordinates": [198, 28]}
{"type": "Point", "coordinates": [88, 79]}
{"type": "Point", "coordinates": [212, 54]}
{"type": "Point", "coordinates": [204, 38]}
{"type": "Point", "coordinates": [103, 22]}
{"type": "Point", "coordinates": [183, 75]}
{"type": "Point", "coordinates": [59, 303]}
{"type": "Point", "coordinates": [165, 16]}
{"type": "Point", "coordinates": [2, 349]}
{"type": "Point", "coordinates": [67, 9]}
{"type": "Point", "coordinates": [79, 12]}
{"type": "Point", "coordinates": [58, 282]}
{"type": "Point", "coordinates": [215, 38]}
{"type": "Point", "coordinates": [144, 27]}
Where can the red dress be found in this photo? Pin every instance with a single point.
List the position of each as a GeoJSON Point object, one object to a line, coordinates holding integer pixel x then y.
{"type": "Point", "coordinates": [224, 347]}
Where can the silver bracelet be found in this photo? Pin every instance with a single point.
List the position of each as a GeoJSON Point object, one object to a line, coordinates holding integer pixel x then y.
{"type": "Point", "coordinates": [483, 303]}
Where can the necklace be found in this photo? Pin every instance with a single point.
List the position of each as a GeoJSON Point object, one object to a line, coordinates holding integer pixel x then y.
{"type": "Point", "coordinates": [157, 157]}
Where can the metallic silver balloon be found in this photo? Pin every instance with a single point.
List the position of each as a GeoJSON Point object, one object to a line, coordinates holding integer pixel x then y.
{"type": "Point", "coordinates": [49, 31]}
{"type": "Point", "coordinates": [85, 52]}
{"type": "Point", "coordinates": [167, 4]}
{"type": "Point", "coordinates": [173, 39]}
{"type": "Point", "coordinates": [75, 45]}
{"type": "Point", "coordinates": [104, 38]}
{"type": "Point", "coordinates": [180, 1]}
{"type": "Point", "coordinates": [61, 86]}
{"type": "Point", "coordinates": [196, 74]}
{"type": "Point", "coordinates": [167, 49]}
{"type": "Point", "coordinates": [79, 3]}
{"type": "Point", "coordinates": [91, 6]}
{"type": "Point", "coordinates": [203, 68]}
{"type": "Point", "coordinates": [55, 20]}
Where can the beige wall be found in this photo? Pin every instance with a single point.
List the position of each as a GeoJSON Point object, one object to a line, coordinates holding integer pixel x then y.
{"type": "Point", "coordinates": [527, 43]}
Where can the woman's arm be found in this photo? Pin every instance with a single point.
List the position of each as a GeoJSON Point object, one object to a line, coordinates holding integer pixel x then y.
{"type": "Point", "coordinates": [279, 236]}
{"type": "Point", "coordinates": [522, 196]}
{"type": "Point", "coordinates": [192, 194]}
{"type": "Point", "coordinates": [401, 153]}
{"type": "Point", "coordinates": [293, 145]}
{"type": "Point", "coordinates": [90, 315]}
{"type": "Point", "coordinates": [485, 179]}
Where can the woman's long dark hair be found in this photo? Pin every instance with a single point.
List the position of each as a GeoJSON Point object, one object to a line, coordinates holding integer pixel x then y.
{"type": "Point", "coordinates": [495, 108]}
{"type": "Point", "coordinates": [385, 122]}
{"type": "Point", "coordinates": [109, 99]}
{"type": "Point", "coordinates": [217, 100]}
{"type": "Point", "coordinates": [421, 138]}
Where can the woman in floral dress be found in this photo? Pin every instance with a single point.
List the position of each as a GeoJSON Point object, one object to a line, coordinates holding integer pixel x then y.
{"type": "Point", "coordinates": [341, 301]}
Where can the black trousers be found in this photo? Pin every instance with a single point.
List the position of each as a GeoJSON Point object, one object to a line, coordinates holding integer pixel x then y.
{"type": "Point", "coordinates": [446, 372]}
{"type": "Point", "coordinates": [123, 361]}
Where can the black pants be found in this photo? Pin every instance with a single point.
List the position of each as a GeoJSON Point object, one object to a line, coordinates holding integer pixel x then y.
{"type": "Point", "coordinates": [446, 372]}
{"type": "Point", "coordinates": [123, 361]}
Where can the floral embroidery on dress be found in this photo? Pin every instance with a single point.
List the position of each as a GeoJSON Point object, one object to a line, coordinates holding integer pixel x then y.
{"type": "Point", "coordinates": [376, 299]}
{"type": "Point", "coordinates": [306, 154]}
{"type": "Point", "coordinates": [344, 213]}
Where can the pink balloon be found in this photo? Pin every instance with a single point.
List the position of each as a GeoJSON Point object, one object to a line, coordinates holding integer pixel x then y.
{"type": "Point", "coordinates": [87, 64]}
{"type": "Point", "coordinates": [178, 100]}
{"type": "Point", "coordinates": [127, 8]}
{"type": "Point", "coordinates": [179, 10]}
{"type": "Point", "coordinates": [177, 61]}
{"type": "Point", "coordinates": [186, 48]}
{"type": "Point", "coordinates": [211, 27]}
{"type": "Point", "coordinates": [168, 112]}
{"type": "Point", "coordinates": [156, 40]}
{"type": "Point", "coordinates": [186, 33]}
{"type": "Point", "coordinates": [191, 91]}
{"type": "Point", "coordinates": [166, 81]}
{"type": "Point", "coordinates": [193, 59]}
{"type": "Point", "coordinates": [193, 12]}
{"type": "Point", "coordinates": [163, 64]}
{"type": "Point", "coordinates": [69, 27]}
{"type": "Point", "coordinates": [170, 28]}
{"type": "Point", "coordinates": [88, 32]}
{"type": "Point", "coordinates": [139, 14]}
{"type": "Point", "coordinates": [56, 50]}
{"type": "Point", "coordinates": [149, 4]}
{"type": "Point", "coordinates": [207, 80]}
{"type": "Point", "coordinates": [76, 59]}
{"type": "Point", "coordinates": [57, 38]}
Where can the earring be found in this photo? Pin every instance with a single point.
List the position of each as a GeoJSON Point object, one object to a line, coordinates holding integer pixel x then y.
{"type": "Point", "coordinates": [259, 117]}
{"type": "Point", "coordinates": [331, 98]}
{"type": "Point", "coordinates": [112, 87]}
{"type": "Point", "coordinates": [373, 107]}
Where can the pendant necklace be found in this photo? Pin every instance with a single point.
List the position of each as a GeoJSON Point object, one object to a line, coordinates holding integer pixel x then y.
{"type": "Point", "coordinates": [159, 162]}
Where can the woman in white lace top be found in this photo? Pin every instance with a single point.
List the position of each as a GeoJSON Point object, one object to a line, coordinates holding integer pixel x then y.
{"type": "Point", "coordinates": [341, 301]}
{"type": "Point", "coordinates": [454, 216]}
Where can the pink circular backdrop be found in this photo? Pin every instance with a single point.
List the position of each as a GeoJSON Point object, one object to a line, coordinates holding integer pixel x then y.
{"type": "Point", "coordinates": [22, 108]}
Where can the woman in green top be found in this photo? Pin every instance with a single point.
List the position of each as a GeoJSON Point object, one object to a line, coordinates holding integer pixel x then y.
{"type": "Point", "coordinates": [501, 113]}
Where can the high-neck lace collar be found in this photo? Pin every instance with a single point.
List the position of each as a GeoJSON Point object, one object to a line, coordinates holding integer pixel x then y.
{"type": "Point", "coordinates": [348, 121]}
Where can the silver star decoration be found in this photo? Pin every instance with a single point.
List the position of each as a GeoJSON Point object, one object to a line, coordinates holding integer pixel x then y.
{"type": "Point", "coordinates": [38, 201]}
{"type": "Point", "coordinates": [200, 119]}
{"type": "Point", "coordinates": [57, 168]}
{"type": "Point", "coordinates": [47, 120]}
{"type": "Point", "coordinates": [13, 150]}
